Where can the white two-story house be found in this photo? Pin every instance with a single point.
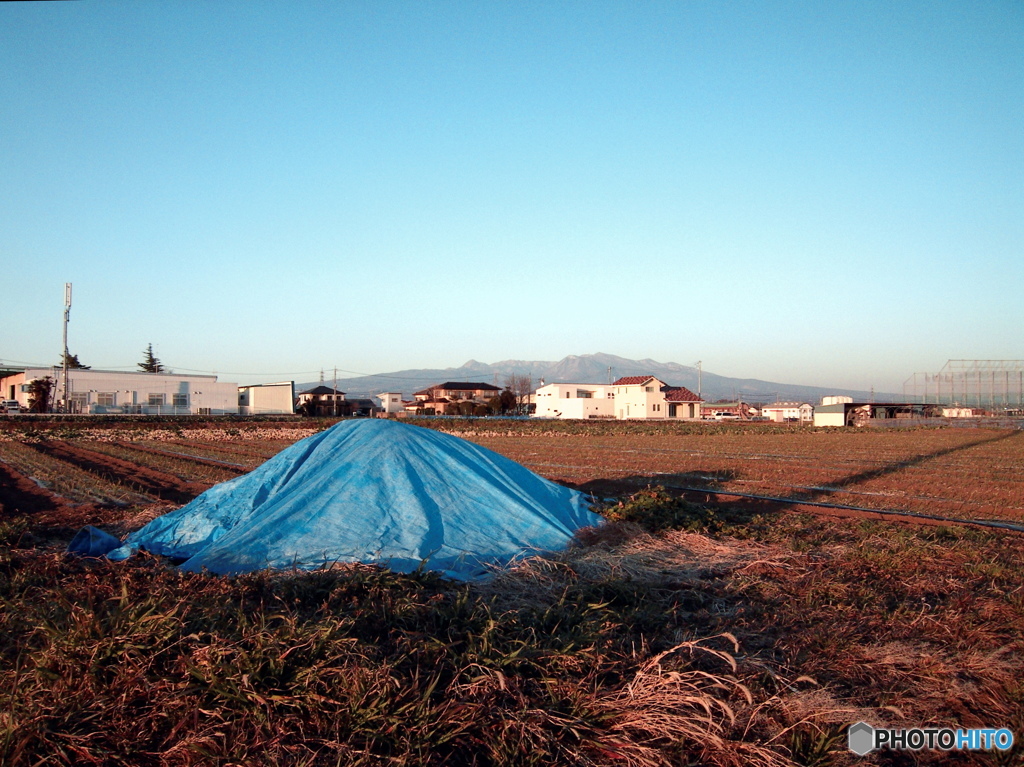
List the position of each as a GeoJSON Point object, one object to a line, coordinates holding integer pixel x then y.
{"type": "Point", "coordinates": [629, 397]}
{"type": "Point", "coordinates": [571, 400]}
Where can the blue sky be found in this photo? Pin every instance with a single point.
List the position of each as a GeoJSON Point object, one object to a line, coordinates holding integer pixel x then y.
{"type": "Point", "coordinates": [814, 193]}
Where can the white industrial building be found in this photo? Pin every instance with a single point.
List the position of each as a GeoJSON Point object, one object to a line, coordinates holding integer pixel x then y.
{"type": "Point", "coordinates": [118, 392]}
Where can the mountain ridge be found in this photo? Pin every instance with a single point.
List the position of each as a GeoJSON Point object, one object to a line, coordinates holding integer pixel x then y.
{"type": "Point", "coordinates": [597, 368]}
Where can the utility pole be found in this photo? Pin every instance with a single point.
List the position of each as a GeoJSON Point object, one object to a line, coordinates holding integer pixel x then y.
{"type": "Point", "coordinates": [335, 397]}
{"type": "Point", "coordinates": [698, 378]}
{"type": "Point", "coordinates": [67, 319]}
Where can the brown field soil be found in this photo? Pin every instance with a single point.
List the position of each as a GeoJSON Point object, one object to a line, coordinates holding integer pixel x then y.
{"type": "Point", "coordinates": [955, 473]}
{"type": "Point", "coordinates": [951, 473]}
{"type": "Point", "coordinates": [152, 482]}
{"type": "Point", "coordinates": [695, 628]}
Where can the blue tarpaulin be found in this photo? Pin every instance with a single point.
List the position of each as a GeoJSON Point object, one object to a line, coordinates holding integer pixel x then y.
{"type": "Point", "coordinates": [372, 491]}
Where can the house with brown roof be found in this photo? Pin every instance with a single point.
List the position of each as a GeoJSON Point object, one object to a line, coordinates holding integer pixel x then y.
{"type": "Point", "coordinates": [321, 401]}
{"type": "Point", "coordinates": [681, 402]}
{"type": "Point", "coordinates": [650, 397]}
{"type": "Point", "coordinates": [628, 397]}
{"type": "Point", "coordinates": [459, 390]}
{"type": "Point", "coordinates": [450, 395]}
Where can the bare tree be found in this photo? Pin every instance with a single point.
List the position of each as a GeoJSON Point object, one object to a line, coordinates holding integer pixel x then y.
{"type": "Point", "coordinates": [522, 387]}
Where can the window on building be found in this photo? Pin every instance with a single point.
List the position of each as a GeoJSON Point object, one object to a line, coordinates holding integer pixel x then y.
{"type": "Point", "coordinates": [79, 401]}
{"type": "Point", "coordinates": [105, 398]}
{"type": "Point", "coordinates": [180, 400]}
{"type": "Point", "coordinates": [648, 388]}
{"type": "Point", "coordinates": [156, 399]}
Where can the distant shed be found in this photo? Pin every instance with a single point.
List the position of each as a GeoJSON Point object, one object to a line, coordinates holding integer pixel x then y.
{"type": "Point", "coordinates": [862, 413]}
{"type": "Point", "coordinates": [267, 399]}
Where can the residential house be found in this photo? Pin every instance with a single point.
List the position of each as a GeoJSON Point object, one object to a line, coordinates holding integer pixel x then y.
{"type": "Point", "coordinates": [449, 396]}
{"type": "Point", "coordinates": [456, 391]}
{"type": "Point", "coordinates": [321, 401]}
{"type": "Point", "coordinates": [572, 400]}
{"type": "Point", "coordinates": [682, 403]}
{"type": "Point", "coordinates": [428, 406]}
{"type": "Point", "coordinates": [391, 402]}
{"type": "Point", "coordinates": [788, 411]}
{"type": "Point", "coordinates": [650, 397]}
{"type": "Point", "coordinates": [629, 397]}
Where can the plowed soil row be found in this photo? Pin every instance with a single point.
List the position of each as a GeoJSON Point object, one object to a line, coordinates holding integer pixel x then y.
{"type": "Point", "coordinates": [54, 519]}
{"type": "Point", "coordinates": [20, 495]}
{"type": "Point", "coordinates": [201, 460]}
{"type": "Point", "coordinates": [268, 451]}
{"type": "Point", "coordinates": [154, 483]}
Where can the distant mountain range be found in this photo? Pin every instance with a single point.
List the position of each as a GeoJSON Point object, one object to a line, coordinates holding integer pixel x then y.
{"type": "Point", "coordinates": [589, 368]}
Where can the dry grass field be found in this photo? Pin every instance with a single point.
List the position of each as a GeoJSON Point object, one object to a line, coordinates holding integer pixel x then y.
{"type": "Point", "coordinates": [704, 624]}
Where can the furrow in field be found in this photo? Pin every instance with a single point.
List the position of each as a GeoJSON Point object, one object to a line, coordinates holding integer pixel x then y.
{"type": "Point", "coordinates": [154, 483]}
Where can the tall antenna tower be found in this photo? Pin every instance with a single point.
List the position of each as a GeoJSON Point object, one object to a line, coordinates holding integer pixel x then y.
{"type": "Point", "coordinates": [67, 319]}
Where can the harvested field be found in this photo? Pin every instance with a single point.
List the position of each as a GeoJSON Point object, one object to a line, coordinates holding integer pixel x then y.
{"type": "Point", "coordinates": [695, 628]}
{"type": "Point", "coordinates": [956, 473]}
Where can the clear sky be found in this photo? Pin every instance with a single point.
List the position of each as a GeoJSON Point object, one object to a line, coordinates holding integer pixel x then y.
{"type": "Point", "coordinates": [814, 193]}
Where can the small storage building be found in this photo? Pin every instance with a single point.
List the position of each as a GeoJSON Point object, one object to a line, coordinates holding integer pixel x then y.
{"type": "Point", "coordinates": [267, 399]}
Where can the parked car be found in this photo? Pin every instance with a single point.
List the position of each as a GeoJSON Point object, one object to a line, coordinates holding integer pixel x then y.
{"type": "Point", "coordinates": [726, 417]}
{"type": "Point", "coordinates": [10, 406]}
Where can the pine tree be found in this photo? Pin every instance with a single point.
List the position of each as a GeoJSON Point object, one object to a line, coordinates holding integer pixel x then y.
{"type": "Point", "coordinates": [73, 362]}
{"type": "Point", "coordinates": [150, 364]}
